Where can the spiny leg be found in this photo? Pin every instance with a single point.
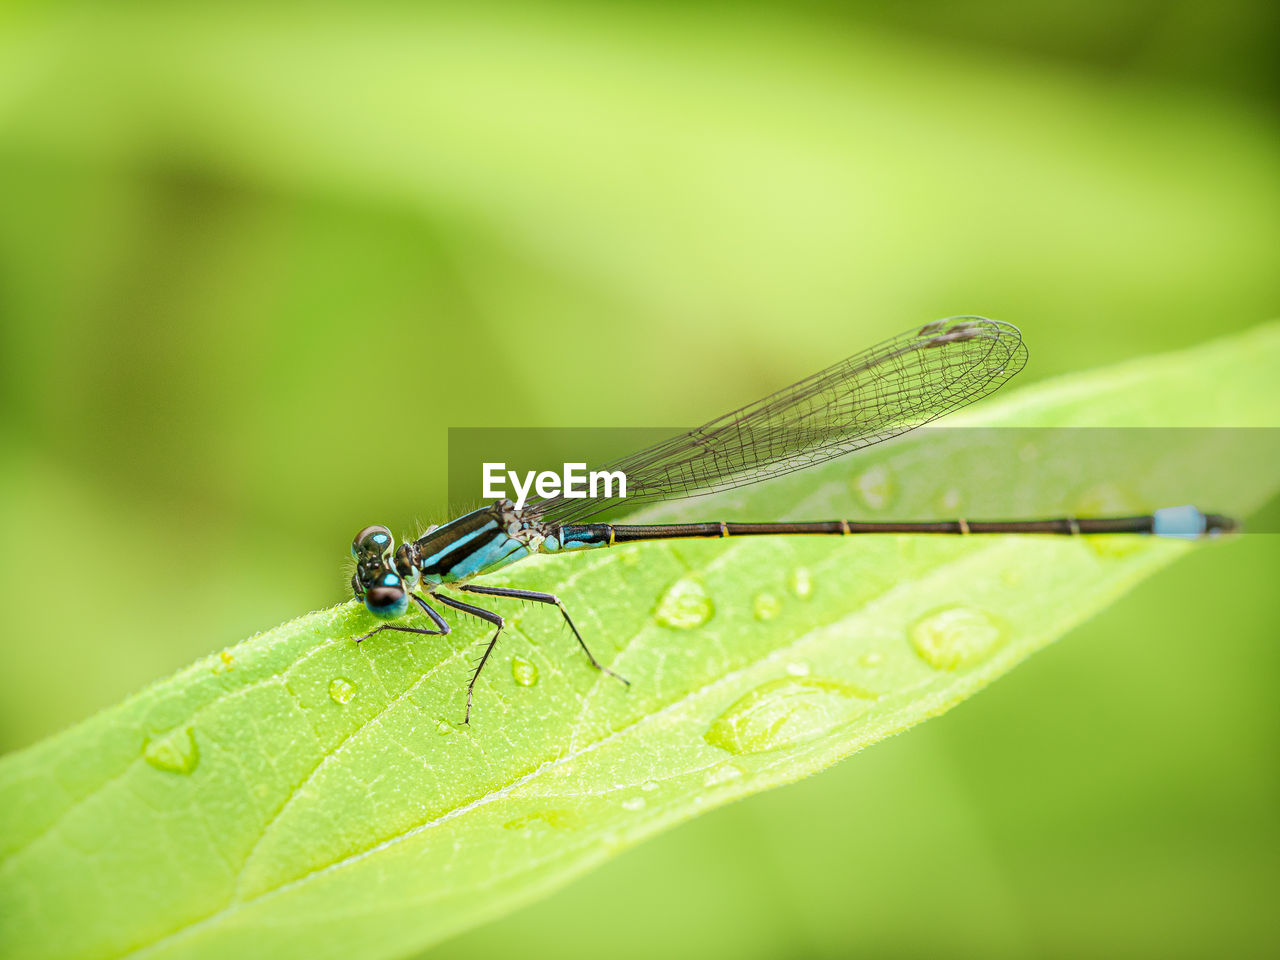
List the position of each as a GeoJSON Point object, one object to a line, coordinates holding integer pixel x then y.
{"type": "Point", "coordinates": [483, 615]}
{"type": "Point", "coordinates": [550, 598]}
{"type": "Point", "coordinates": [439, 621]}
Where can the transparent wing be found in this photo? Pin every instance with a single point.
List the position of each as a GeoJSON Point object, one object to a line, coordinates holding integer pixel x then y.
{"type": "Point", "coordinates": [885, 391]}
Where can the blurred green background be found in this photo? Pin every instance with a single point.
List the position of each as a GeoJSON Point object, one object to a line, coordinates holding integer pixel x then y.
{"type": "Point", "coordinates": [254, 262]}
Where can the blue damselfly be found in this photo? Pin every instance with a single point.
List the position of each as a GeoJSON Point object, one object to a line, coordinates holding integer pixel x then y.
{"type": "Point", "coordinates": [883, 392]}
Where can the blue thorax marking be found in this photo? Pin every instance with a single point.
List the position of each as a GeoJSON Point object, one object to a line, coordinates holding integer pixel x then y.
{"type": "Point", "coordinates": [483, 540]}
{"type": "Point", "coordinates": [473, 543]}
{"type": "Point", "coordinates": [454, 547]}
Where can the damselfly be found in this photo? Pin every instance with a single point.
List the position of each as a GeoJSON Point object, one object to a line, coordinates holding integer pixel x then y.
{"type": "Point", "coordinates": [880, 393]}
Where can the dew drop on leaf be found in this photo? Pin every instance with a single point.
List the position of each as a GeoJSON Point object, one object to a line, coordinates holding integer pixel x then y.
{"type": "Point", "coordinates": [875, 487]}
{"type": "Point", "coordinates": [956, 637]}
{"type": "Point", "coordinates": [871, 659]}
{"type": "Point", "coordinates": [766, 606]}
{"type": "Point", "coordinates": [784, 712]}
{"type": "Point", "coordinates": [801, 583]}
{"type": "Point", "coordinates": [950, 499]}
{"type": "Point", "coordinates": [523, 671]}
{"type": "Point", "coordinates": [798, 668]}
{"type": "Point", "coordinates": [649, 785]}
{"type": "Point", "coordinates": [611, 842]}
{"type": "Point", "coordinates": [684, 606]}
{"type": "Point", "coordinates": [341, 690]}
{"type": "Point", "coordinates": [721, 773]}
{"type": "Point", "coordinates": [633, 803]}
{"type": "Point", "coordinates": [560, 819]}
{"type": "Point", "coordinates": [175, 752]}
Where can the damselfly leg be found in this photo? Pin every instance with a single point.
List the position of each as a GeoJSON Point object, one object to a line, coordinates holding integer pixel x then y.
{"type": "Point", "coordinates": [548, 598]}
{"type": "Point", "coordinates": [483, 614]}
{"type": "Point", "coordinates": [440, 622]}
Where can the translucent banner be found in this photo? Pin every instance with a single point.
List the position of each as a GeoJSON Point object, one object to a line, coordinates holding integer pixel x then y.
{"type": "Point", "coordinates": [932, 473]}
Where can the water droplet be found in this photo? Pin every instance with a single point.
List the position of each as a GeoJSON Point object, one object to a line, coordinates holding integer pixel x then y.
{"type": "Point", "coordinates": [801, 583]}
{"type": "Point", "coordinates": [175, 752]}
{"type": "Point", "coordinates": [766, 606]}
{"type": "Point", "coordinates": [560, 819]}
{"type": "Point", "coordinates": [684, 606]}
{"type": "Point", "coordinates": [950, 500]}
{"type": "Point", "coordinates": [875, 486]}
{"type": "Point", "coordinates": [649, 786]}
{"type": "Point", "coordinates": [633, 803]}
{"type": "Point", "coordinates": [524, 672]}
{"type": "Point", "coordinates": [956, 637]}
{"type": "Point", "coordinates": [871, 659]}
{"type": "Point", "coordinates": [341, 690]}
{"type": "Point", "coordinates": [798, 668]}
{"type": "Point", "coordinates": [721, 773]}
{"type": "Point", "coordinates": [785, 712]}
{"type": "Point", "coordinates": [611, 842]}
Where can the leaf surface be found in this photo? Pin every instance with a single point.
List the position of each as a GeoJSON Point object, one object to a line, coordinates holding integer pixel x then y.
{"type": "Point", "coordinates": [299, 794]}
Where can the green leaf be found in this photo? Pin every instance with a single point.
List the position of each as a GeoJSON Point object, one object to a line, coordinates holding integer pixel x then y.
{"type": "Point", "coordinates": [299, 794]}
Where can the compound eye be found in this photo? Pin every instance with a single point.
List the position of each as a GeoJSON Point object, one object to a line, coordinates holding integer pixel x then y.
{"type": "Point", "coordinates": [373, 542]}
{"type": "Point", "coordinates": [386, 597]}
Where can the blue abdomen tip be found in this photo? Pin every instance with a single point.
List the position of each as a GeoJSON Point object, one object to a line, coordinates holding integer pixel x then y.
{"type": "Point", "coordinates": [1187, 523]}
